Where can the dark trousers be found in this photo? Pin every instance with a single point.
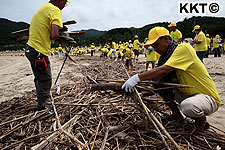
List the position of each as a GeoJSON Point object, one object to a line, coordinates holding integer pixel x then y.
{"type": "Point", "coordinates": [92, 52]}
{"type": "Point", "coordinates": [208, 52]}
{"type": "Point", "coordinates": [42, 78]}
{"type": "Point", "coordinates": [201, 54]}
{"type": "Point", "coordinates": [217, 52]}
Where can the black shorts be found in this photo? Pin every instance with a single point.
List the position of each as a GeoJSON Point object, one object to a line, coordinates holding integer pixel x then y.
{"type": "Point", "coordinates": [136, 52]}
{"type": "Point", "coordinates": [129, 62]}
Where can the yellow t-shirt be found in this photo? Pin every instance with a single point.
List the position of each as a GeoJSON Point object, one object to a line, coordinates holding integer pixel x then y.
{"type": "Point", "coordinates": [113, 45]}
{"type": "Point", "coordinates": [136, 42]}
{"type": "Point", "coordinates": [129, 54]}
{"type": "Point", "coordinates": [105, 50]}
{"type": "Point", "coordinates": [201, 38]}
{"type": "Point", "coordinates": [215, 45]}
{"type": "Point", "coordinates": [121, 48]}
{"type": "Point", "coordinates": [191, 71]}
{"type": "Point", "coordinates": [92, 47]}
{"type": "Point", "coordinates": [40, 27]}
{"type": "Point", "coordinates": [208, 42]}
{"type": "Point", "coordinates": [176, 35]}
{"type": "Point", "coordinates": [150, 55]}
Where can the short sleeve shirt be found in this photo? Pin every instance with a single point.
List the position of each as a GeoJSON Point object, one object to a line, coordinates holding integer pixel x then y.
{"type": "Point", "coordinates": [136, 42]}
{"type": "Point", "coordinates": [40, 27]}
{"type": "Point", "coordinates": [203, 45]}
{"type": "Point", "coordinates": [176, 35]}
{"type": "Point", "coordinates": [191, 71]}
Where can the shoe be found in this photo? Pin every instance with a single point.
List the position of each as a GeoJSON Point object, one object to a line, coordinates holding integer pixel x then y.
{"type": "Point", "coordinates": [39, 108]}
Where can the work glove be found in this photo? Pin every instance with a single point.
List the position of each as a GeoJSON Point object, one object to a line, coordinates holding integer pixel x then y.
{"type": "Point", "coordinates": [130, 83]}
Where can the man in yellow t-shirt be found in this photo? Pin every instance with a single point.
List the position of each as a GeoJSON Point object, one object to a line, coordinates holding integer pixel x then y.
{"type": "Point", "coordinates": [200, 42]}
{"type": "Point", "coordinates": [175, 34]}
{"type": "Point", "coordinates": [136, 47]}
{"type": "Point", "coordinates": [180, 64]}
{"type": "Point", "coordinates": [208, 42]}
{"type": "Point", "coordinates": [151, 57]}
{"type": "Point", "coordinates": [216, 46]}
{"type": "Point", "coordinates": [44, 27]}
{"type": "Point", "coordinates": [92, 49]}
{"type": "Point", "coordinates": [129, 55]}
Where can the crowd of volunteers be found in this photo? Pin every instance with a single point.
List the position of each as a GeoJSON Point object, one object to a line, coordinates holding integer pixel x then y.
{"type": "Point", "coordinates": [129, 50]}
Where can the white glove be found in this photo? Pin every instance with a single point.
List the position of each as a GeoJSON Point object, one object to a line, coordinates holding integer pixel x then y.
{"type": "Point", "coordinates": [130, 83]}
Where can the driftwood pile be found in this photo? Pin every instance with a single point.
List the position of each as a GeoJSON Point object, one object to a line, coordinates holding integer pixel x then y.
{"type": "Point", "coordinates": [83, 118]}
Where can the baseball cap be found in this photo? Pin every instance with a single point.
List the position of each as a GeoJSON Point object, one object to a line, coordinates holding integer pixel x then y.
{"type": "Point", "coordinates": [155, 33]}
{"type": "Point", "coordinates": [172, 24]}
{"type": "Point", "coordinates": [68, 1]}
{"type": "Point", "coordinates": [196, 28]}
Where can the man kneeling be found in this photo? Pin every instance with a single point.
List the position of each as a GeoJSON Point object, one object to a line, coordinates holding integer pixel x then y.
{"type": "Point", "coordinates": [180, 64]}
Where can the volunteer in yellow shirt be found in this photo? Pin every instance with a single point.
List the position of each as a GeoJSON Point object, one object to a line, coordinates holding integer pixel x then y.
{"type": "Point", "coordinates": [200, 42]}
{"type": "Point", "coordinates": [208, 41]}
{"type": "Point", "coordinates": [105, 51]}
{"type": "Point", "coordinates": [180, 64]}
{"type": "Point", "coordinates": [44, 27]}
{"type": "Point", "coordinates": [216, 46]}
{"type": "Point", "coordinates": [175, 34]}
{"type": "Point", "coordinates": [129, 55]}
{"type": "Point", "coordinates": [136, 47]}
{"type": "Point", "coordinates": [150, 57]}
{"type": "Point", "coordinates": [92, 49]}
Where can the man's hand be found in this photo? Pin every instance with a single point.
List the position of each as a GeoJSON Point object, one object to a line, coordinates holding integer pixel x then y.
{"type": "Point", "coordinates": [130, 83]}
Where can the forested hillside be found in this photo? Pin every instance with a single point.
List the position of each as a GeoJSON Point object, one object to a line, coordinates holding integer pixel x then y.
{"type": "Point", "coordinates": [210, 25]}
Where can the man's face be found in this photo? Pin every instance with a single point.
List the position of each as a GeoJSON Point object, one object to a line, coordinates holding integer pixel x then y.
{"type": "Point", "coordinates": [63, 3]}
{"type": "Point", "coordinates": [161, 45]}
{"type": "Point", "coordinates": [173, 28]}
{"type": "Point", "coordinates": [196, 32]}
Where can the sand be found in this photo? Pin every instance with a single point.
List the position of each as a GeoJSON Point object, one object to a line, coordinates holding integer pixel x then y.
{"type": "Point", "coordinates": [17, 79]}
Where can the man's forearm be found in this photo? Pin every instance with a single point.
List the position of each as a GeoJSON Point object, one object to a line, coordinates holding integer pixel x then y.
{"type": "Point", "coordinates": [155, 73]}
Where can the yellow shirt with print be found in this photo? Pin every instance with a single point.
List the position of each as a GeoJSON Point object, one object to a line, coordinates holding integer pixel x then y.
{"type": "Point", "coordinates": [176, 35]}
{"type": "Point", "coordinates": [40, 27]}
{"type": "Point", "coordinates": [150, 55]}
{"type": "Point", "coordinates": [191, 71]}
{"type": "Point", "coordinates": [201, 38]}
{"type": "Point", "coordinates": [136, 46]}
{"type": "Point", "coordinates": [208, 40]}
{"type": "Point", "coordinates": [215, 44]}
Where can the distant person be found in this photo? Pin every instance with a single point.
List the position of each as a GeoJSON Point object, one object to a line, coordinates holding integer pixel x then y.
{"type": "Point", "coordinates": [136, 47]}
{"type": "Point", "coordinates": [60, 51]}
{"type": "Point", "coordinates": [175, 34]}
{"type": "Point", "coordinates": [92, 49]}
{"type": "Point", "coordinates": [200, 42]}
{"type": "Point", "coordinates": [150, 57]}
{"type": "Point", "coordinates": [216, 48]}
{"type": "Point", "coordinates": [44, 27]}
{"type": "Point", "coordinates": [129, 55]}
{"type": "Point", "coordinates": [208, 42]}
{"type": "Point", "coordinates": [179, 63]}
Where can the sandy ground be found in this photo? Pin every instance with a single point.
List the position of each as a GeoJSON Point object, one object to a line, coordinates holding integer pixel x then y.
{"type": "Point", "coordinates": [17, 78]}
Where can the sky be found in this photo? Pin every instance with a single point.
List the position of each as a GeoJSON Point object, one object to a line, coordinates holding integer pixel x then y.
{"type": "Point", "coordinates": [108, 14]}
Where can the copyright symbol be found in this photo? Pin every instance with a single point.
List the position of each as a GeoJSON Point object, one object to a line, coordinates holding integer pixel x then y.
{"type": "Point", "coordinates": [214, 8]}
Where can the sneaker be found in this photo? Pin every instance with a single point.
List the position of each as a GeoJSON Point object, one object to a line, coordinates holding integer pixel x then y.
{"type": "Point", "coordinates": [39, 108]}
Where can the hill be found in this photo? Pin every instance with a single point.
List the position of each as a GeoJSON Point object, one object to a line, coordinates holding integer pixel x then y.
{"type": "Point", "coordinates": [7, 40]}
{"type": "Point", "coordinates": [210, 25]}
